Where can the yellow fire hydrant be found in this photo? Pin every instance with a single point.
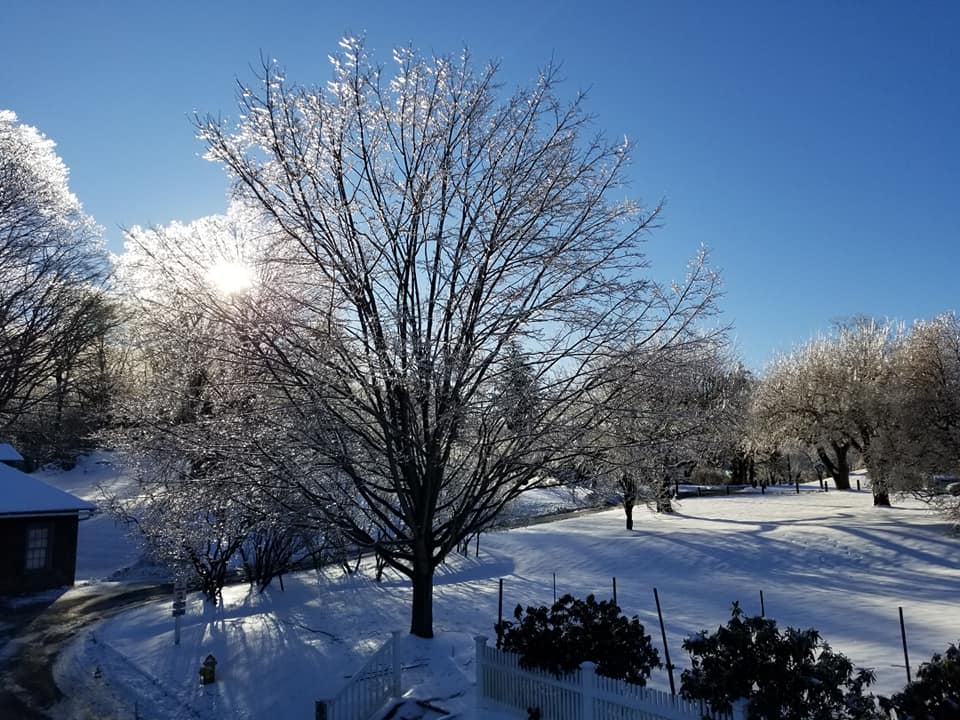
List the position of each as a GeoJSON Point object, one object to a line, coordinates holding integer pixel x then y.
{"type": "Point", "coordinates": [208, 670]}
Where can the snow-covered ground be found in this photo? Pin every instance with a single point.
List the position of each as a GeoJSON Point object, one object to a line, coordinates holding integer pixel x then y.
{"type": "Point", "coordinates": [827, 560]}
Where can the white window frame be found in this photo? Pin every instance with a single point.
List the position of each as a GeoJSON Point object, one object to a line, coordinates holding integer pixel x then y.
{"type": "Point", "coordinates": [39, 547]}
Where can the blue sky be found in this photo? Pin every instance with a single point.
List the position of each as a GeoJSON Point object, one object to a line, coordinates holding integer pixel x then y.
{"type": "Point", "coordinates": [814, 147]}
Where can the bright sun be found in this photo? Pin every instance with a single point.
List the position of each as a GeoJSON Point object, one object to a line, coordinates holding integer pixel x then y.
{"type": "Point", "coordinates": [230, 277]}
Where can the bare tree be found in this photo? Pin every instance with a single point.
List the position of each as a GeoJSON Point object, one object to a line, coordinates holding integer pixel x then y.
{"type": "Point", "coordinates": [456, 236]}
{"type": "Point", "coordinates": [51, 262]}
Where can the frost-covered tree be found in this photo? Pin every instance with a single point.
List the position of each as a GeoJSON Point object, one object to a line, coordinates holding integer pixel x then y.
{"type": "Point", "coordinates": [72, 405]}
{"type": "Point", "coordinates": [194, 415]}
{"type": "Point", "coordinates": [918, 412]}
{"type": "Point", "coordinates": [51, 265]}
{"type": "Point", "coordinates": [185, 519]}
{"type": "Point", "coordinates": [823, 396]}
{"type": "Point", "coordinates": [672, 407]}
{"type": "Point", "coordinates": [448, 228]}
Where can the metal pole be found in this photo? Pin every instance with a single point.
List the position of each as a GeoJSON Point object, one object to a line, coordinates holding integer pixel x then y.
{"type": "Point", "coordinates": [554, 588]}
{"type": "Point", "coordinates": [666, 650]}
{"type": "Point", "coordinates": [176, 630]}
{"type": "Point", "coordinates": [614, 590]}
{"type": "Point", "coordinates": [903, 637]}
{"type": "Point", "coordinates": [763, 611]}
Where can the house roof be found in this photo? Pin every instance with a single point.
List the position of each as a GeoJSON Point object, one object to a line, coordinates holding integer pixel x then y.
{"type": "Point", "coordinates": [22, 494]}
{"type": "Point", "coordinates": [8, 453]}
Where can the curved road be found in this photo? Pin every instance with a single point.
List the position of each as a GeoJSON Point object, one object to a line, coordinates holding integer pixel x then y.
{"type": "Point", "coordinates": [39, 631]}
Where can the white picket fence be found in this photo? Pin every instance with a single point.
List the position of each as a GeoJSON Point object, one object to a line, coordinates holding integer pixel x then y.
{"type": "Point", "coordinates": [369, 688]}
{"type": "Point", "coordinates": [581, 695]}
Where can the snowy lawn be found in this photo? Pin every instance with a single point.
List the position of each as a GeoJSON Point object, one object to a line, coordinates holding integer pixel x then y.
{"type": "Point", "coordinates": [828, 560]}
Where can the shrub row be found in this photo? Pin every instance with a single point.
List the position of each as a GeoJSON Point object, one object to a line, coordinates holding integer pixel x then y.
{"type": "Point", "coordinates": [783, 674]}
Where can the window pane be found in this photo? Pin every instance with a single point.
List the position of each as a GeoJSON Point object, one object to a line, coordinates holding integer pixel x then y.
{"type": "Point", "coordinates": [38, 542]}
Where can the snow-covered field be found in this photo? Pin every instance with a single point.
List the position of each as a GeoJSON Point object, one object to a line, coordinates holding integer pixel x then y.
{"type": "Point", "coordinates": [828, 560]}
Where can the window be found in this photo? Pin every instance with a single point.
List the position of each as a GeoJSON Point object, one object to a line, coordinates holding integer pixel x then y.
{"type": "Point", "coordinates": [38, 547]}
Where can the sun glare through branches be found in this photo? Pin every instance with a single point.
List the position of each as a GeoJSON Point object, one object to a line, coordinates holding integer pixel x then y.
{"type": "Point", "coordinates": [230, 277]}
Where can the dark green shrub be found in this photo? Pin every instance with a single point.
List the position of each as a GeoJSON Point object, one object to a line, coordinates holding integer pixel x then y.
{"type": "Point", "coordinates": [560, 638]}
{"type": "Point", "coordinates": [790, 675]}
{"type": "Point", "coordinates": [935, 694]}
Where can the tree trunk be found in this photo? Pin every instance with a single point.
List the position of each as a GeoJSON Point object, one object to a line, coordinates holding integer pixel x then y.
{"type": "Point", "coordinates": [742, 470]}
{"type": "Point", "coordinates": [663, 496]}
{"type": "Point", "coordinates": [421, 620]}
{"type": "Point", "coordinates": [838, 468]}
{"type": "Point", "coordinates": [842, 477]}
{"type": "Point", "coordinates": [61, 392]}
{"type": "Point", "coordinates": [881, 494]}
{"type": "Point", "coordinates": [629, 487]}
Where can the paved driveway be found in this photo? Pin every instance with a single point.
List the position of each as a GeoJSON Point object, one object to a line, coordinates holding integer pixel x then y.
{"type": "Point", "coordinates": [32, 634]}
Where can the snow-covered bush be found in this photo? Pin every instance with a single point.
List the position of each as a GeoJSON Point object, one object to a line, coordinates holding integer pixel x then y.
{"type": "Point", "coordinates": [789, 675]}
{"type": "Point", "coordinates": [935, 694]}
{"type": "Point", "coordinates": [560, 638]}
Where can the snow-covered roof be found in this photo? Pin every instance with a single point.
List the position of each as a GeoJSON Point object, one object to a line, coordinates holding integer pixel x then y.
{"type": "Point", "coordinates": [22, 494]}
{"type": "Point", "coordinates": [8, 453]}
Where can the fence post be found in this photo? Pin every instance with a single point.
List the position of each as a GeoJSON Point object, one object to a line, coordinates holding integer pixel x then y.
{"type": "Point", "coordinates": [588, 683]}
{"type": "Point", "coordinates": [481, 645]}
{"type": "Point", "coordinates": [395, 677]}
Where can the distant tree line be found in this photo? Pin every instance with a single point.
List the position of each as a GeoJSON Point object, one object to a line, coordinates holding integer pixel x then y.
{"type": "Point", "coordinates": [876, 394]}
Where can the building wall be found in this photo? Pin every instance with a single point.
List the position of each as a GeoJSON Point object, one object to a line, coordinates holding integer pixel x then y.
{"type": "Point", "coordinates": [61, 562]}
